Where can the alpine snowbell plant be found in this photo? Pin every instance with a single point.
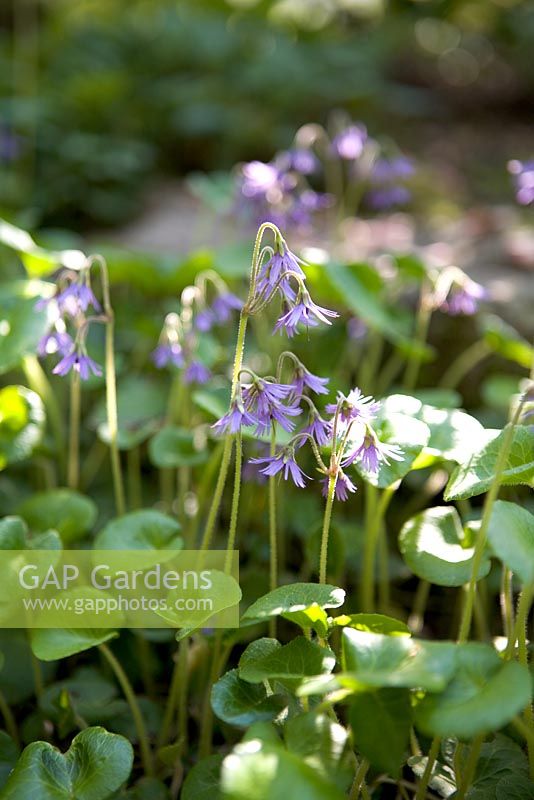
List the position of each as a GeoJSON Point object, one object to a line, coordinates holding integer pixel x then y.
{"type": "Point", "coordinates": [385, 535]}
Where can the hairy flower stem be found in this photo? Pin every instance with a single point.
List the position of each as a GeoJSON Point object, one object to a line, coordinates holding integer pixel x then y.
{"type": "Point", "coordinates": [507, 609]}
{"type": "Point", "coordinates": [467, 613]}
{"type": "Point", "coordinates": [111, 389]}
{"type": "Point", "coordinates": [427, 774]}
{"type": "Point", "coordinates": [232, 531]}
{"type": "Point", "coordinates": [273, 539]}
{"type": "Point", "coordinates": [73, 469]}
{"type": "Point", "coordinates": [359, 778]}
{"type": "Point", "coordinates": [129, 694]}
{"type": "Point", "coordinates": [323, 556]}
{"type": "Point", "coordinates": [520, 635]}
{"type": "Point", "coordinates": [376, 507]}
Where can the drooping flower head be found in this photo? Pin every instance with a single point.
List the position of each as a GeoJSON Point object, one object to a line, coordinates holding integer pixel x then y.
{"type": "Point", "coordinates": [264, 399]}
{"type": "Point", "coordinates": [168, 353]}
{"type": "Point", "coordinates": [320, 429]}
{"type": "Point", "coordinates": [371, 452]}
{"type": "Point", "coordinates": [77, 298]}
{"type": "Point", "coordinates": [236, 418]}
{"type": "Point", "coordinates": [349, 143]}
{"type": "Point", "coordinates": [272, 273]}
{"type": "Point", "coordinates": [224, 304]}
{"type": "Point", "coordinates": [196, 372]}
{"type": "Point", "coordinates": [344, 487]}
{"type": "Point", "coordinates": [55, 341]}
{"type": "Point", "coordinates": [304, 379]}
{"type": "Point", "coordinates": [464, 299]}
{"type": "Point", "coordinates": [78, 361]}
{"type": "Point", "coordinates": [283, 462]}
{"type": "Point", "coordinates": [305, 312]}
{"type": "Point", "coordinates": [354, 407]}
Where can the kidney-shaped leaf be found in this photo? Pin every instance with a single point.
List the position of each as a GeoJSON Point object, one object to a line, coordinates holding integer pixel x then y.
{"type": "Point", "coordinates": [50, 644]}
{"type": "Point", "coordinates": [410, 435]}
{"type": "Point", "coordinates": [292, 662]}
{"type": "Point", "coordinates": [257, 770]}
{"type": "Point", "coordinates": [485, 694]}
{"type": "Point", "coordinates": [511, 536]}
{"type": "Point", "coordinates": [295, 597]}
{"type": "Point", "coordinates": [93, 768]}
{"type": "Point", "coordinates": [433, 546]}
{"type": "Point", "coordinates": [21, 324]}
{"type": "Point", "coordinates": [381, 722]}
{"type": "Point", "coordinates": [174, 447]}
{"type": "Point", "coordinates": [68, 512]}
{"type": "Point", "coordinates": [146, 529]}
{"type": "Point", "coordinates": [241, 703]}
{"type": "Point", "coordinates": [475, 474]}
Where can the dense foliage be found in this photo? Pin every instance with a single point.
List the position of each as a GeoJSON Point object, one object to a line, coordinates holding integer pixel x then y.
{"type": "Point", "coordinates": [383, 543]}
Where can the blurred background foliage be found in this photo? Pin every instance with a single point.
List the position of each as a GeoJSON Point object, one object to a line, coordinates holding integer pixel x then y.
{"type": "Point", "coordinates": [100, 97]}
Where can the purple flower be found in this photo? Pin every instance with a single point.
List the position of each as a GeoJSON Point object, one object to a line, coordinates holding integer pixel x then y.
{"type": "Point", "coordinates": [232, 421]}
{"type": "Point", "coordinates": [344, 485]}
{"type": "Point", "coordinates": [264, 400]}
{"type": "Point", "coordinates": [319, 428]}
{"type": "Point", "coordinates": [258, 178]}
{"type": "Point", "coordinates": [391, 169]}
{"type": "Point", "coordinates": [196, 372]}
{"type": "Point", "coordinates": [387, 197]}
{"type": "Point", "coordinates": [372, 452]}
{"type": "Point", "coordinates": [302, 160]}
{"type": "Point", "coordinates": [306, 313]}
{"type": "Point", "coordinates": [55, 342]}
{"type": "Point", "coordinates": [224, 304]}
{"type": "Point", "coordinates": [272, 271]}
{"type": "Point", "coordinates": [350, 142]}
{"type": "Point", "coordinates": [79, 362]}
{"type": "Point", "coordinates": [464, 298]}
{"type": "Point", "coordinates": [76, 298]}
{"type": "Point", "coordinates": [204, 320]}
{"type": "Point", "coordinates": [168, 353]}
{"type": "Point", "coordinates": [283, 461]}
{"type": "Point", "coordinates": [354, 407]}
{"type": "Point", "coordinates": [303, 378]}
{"type": "Point", "coordinates": [386, 178]}
{"type": "Point", "coordinates": [523, 176]}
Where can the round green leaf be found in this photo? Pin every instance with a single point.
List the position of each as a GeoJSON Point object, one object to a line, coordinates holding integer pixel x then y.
{"type": "Point", "coordinates": [22, 420]}
{"type": "Point", "coordinates": [266, 660]}
{"type": "Point", "coordinates": [511, 536]}
{"type": "Point", "coordinates": [140, 404]}
{"type": "Point", "coordinates": [381, 722]}
{"type": "Point", "coordinates": [371, 659]}
{"type": "Point", "coordinates": [174, 447]}
{"type": "Point", "coordinates": [241, 703]}
{"type": "Point", "coordinates": [295, 597]}
{"type": "Point", "coordinates": [21, 324]}
{"type": "Point", "coordinates": [9, 753]}
{"type": "Point", "coordinates": [13, 533]}
{"type": "Point", "coordinates": [475, 475]}
{"type": "Point", "coordinates": [202, 782]}
{"type": "Point", "coordinates": [68, 512]}
{"type": "Point", "coordinates": [484, 695]}
{"type": "Point", "coordinates": [51, 644]}
{"type": "Point", "coordinates": [93, 768]}
{"type": "Point", "coordinates": [373, 623]}
{"type": "Point", "coordinates": [146, 529]}
{"type": "Point", "coordinates": [258, 770]}
{"type": "Point", "coordinates": [434, 547]}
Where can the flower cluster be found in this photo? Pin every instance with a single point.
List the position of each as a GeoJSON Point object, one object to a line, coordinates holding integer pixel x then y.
{"type": "Point", "coordinates": [456, 294]}
{"type": "Point", "coordinates": [70, 308]}
{"type": "Point", "coordinates": [285, 190]}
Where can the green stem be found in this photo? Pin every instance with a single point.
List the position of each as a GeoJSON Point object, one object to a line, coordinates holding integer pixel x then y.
{"type": "Point", "coordinates": [465, 362]}
{"type": "Point", "coordinates": [232, 531]}
{"type": "Point", "coordinates": [204, 746]}
{"type": "Point", "coordinates": [323, 556]}
{"type": "Point", "coordinates": [520, 635]}
{"type": "Point", "coordinates": [9, 720]}
{"type": "Point", "coordinates": [375, 510]}
{"type": "Point", "coordinates": [38, 381]}
{"type": "Point", "coordinates": [273, 539]}
{"type": "Point", "coordinates": [470, 767]}
{"type": "Point", "coordinates": [170, 706]}
{"type": "Point", "coordinates": [370, 365]}
{"type": "Point", "coordinates": [111, 392]}
{"type": "Point", "coordinates": [467, 613]}
{"type": "Point", "coordinates": [417, 617]}
{"type": "Point", "coordinates": [129, 694]}
{"type": "Point", "coordinates": [427, 774]}
{"type": "Point", "coordinates": [359, 778]}
{"type": "Point", "coordinates": [73, 470]}
{"type": "Point", "coordinates": [183, 669]}
{"type": "Point", "coordinates": [528, 734]}
{"type": "Point", "coordinates": [422, 323]}
{"type": "Point", "coordinates": [507, 609]}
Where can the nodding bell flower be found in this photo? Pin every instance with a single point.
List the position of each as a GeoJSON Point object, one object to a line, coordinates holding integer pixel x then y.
{"type": "Point", "coordinates": [371, 452]}
{"type": "Point", "coordinates": [78, 361]}
{"type": "Point", "coordinates": [344, 487]}
{"type": "Point", "coordinates": [283, 462]}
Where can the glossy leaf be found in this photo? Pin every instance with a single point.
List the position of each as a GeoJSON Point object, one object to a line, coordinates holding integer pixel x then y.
{"type": "Point", "coordinates": [241, 703]}
{"type": "Point", "coordinates": [202, 782]}
{"type": "Point", "coordinates": [295, 597]}
{"type": "Point", "coordinates": [434, 547]}
{"type": "Point", "coordinates": [94, 767]}
{"type": "Point", "coordinates": [21, 324]}
{"type": "Point", "coordinates": [511, 536]}
{"type": "Point", "coordinates": [50, 644]}
{"type": "Point", "coordinates": [485, 694]}
{"type": "Point", "coordinates": [322, 743]}
{"type": "Point", "coordinates": [9, 753]}
{"type": "Point", "coordinates": [292, 662]}
{"type": "Point", "coordinates": [373, 623]}
{"type": "Point", "coordinates": [475, 475]}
